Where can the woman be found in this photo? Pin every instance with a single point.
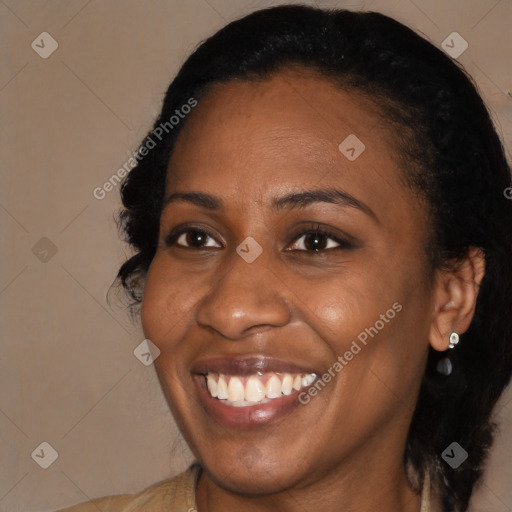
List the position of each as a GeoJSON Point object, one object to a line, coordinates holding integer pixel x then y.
{"type": "Point", "coordinates": [322, 259]}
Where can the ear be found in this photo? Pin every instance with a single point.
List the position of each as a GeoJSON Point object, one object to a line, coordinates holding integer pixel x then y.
{"type": "Point", "coordinates": [456, 291]}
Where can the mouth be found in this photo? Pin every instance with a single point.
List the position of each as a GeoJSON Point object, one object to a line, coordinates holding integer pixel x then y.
{"type": "Point", "coordinates": [251, 391]}
{"type": "Point", "coordinates": [260, 388]}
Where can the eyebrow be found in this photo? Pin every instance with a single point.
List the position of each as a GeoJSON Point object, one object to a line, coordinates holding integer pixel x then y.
{"type": "Point", "coordinates": [293, 200]}
{"type": "Point", "coordinates": [330, 195]}
{"type": "Point", "coordinates": [198, 198]}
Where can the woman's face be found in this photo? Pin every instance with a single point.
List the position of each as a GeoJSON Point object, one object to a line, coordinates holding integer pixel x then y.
{"type": "Point", "coordinates": [285, 257]}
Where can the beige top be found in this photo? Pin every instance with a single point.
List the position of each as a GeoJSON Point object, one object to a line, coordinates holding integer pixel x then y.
{"type": "Point", "coordinates": [176, 495]}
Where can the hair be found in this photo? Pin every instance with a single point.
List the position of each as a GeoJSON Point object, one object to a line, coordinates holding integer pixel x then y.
{"type": "Point", "coordinates": [452, 158]}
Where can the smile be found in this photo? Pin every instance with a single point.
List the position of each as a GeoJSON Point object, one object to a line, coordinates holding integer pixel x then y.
{"type": "Point", "coordinates": [256, 389]}
{"type": "Point", "coordinates": [250, 392]}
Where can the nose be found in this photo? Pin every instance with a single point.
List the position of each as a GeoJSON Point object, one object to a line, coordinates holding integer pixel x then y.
{"type": "Point", "coordinates": [245, 298]}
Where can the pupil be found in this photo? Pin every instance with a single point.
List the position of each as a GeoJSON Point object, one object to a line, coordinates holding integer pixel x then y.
{"type": "Point", "coordinates": [315, 241]}
{"type": "Point", "coordinates": [195, 238]}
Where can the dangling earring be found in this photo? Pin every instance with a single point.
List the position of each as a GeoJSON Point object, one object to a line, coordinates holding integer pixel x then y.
{"type": "Point", "coordinates": [444, 366]}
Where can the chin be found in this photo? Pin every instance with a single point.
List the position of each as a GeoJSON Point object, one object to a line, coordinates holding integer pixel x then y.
{"type": "Point", "coordinates": [257, 480]}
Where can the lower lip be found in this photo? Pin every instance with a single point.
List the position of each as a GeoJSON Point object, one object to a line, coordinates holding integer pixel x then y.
{"type": "Point", "coordinates": [250, 416]}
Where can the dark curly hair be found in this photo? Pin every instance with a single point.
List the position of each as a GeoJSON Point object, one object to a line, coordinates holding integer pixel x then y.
{"type": "Point", "coordinates": [452, 158]}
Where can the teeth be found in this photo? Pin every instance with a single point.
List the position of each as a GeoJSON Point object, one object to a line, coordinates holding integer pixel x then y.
{"type": "Point", "coordinates": [235, 390]}
{"type": "Point", "coordinates": [255, 389]}
{"type": "Point", "coordinates": [287, 386]}
{"type": "Point", "coordinates": [273, 387]}
{"type": "Point", "coordinates": [212, 386]}
{"type": "Point", "coordinates": [307, 380]}
{"type": "Point", "coordinates": [222, 389]}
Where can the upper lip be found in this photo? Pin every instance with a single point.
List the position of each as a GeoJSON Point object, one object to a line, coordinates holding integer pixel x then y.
{"type": "Point", "coordinates": [244, 366]}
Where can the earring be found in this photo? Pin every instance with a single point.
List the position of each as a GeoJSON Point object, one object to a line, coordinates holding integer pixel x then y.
{"type": "Point", "coordinates": [444, 366]}
{"type": "Point", "coordinates": [454, 339]}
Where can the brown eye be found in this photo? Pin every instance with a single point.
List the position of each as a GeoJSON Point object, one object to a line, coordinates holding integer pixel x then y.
{"type": "Point", "coordinates": [316, 241]}
{"type": "Point", "coordinates": [193, 239]}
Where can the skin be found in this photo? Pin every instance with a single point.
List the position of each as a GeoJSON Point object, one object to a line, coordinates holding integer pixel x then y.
{"type": "Point", "coordinates": [247, 143]}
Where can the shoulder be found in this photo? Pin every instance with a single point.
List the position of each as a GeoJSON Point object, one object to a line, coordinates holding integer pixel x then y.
{"type": "Point", "coordinates": [176, 493]}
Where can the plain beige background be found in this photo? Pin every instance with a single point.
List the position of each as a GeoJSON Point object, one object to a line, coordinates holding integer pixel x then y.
{"type": "Point", "coordinates": [68, 123]}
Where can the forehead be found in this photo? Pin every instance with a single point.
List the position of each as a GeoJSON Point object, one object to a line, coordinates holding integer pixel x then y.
{"type": "Point", "coordinates": [245, 139]}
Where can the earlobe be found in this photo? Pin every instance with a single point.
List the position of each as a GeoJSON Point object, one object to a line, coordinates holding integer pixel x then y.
{"type": "Point", "coordinates": [456, 293]}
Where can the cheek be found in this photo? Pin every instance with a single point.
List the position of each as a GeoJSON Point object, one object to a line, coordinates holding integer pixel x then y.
{"type": "Point", "coordinates": [168, 302]}
{"type": "Point", "coordinates": [341, 306]}
{"type": "Point", "coordinates": [378, 327]}
{"type": "Point", "coordinates": [377, 365]}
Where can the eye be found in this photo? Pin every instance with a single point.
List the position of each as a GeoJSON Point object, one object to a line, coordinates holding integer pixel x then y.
{"type": "Point", "coordinates": [192, 238]}
{"type": "Point", "coordinates": [317, 240]}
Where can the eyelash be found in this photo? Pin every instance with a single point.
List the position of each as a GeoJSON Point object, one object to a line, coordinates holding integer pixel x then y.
{"type": "Point", "coordinates": [343, 243]}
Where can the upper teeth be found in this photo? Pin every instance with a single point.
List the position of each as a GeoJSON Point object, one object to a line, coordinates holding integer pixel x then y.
{"type": "Point", "coordinates": [259, 388]}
